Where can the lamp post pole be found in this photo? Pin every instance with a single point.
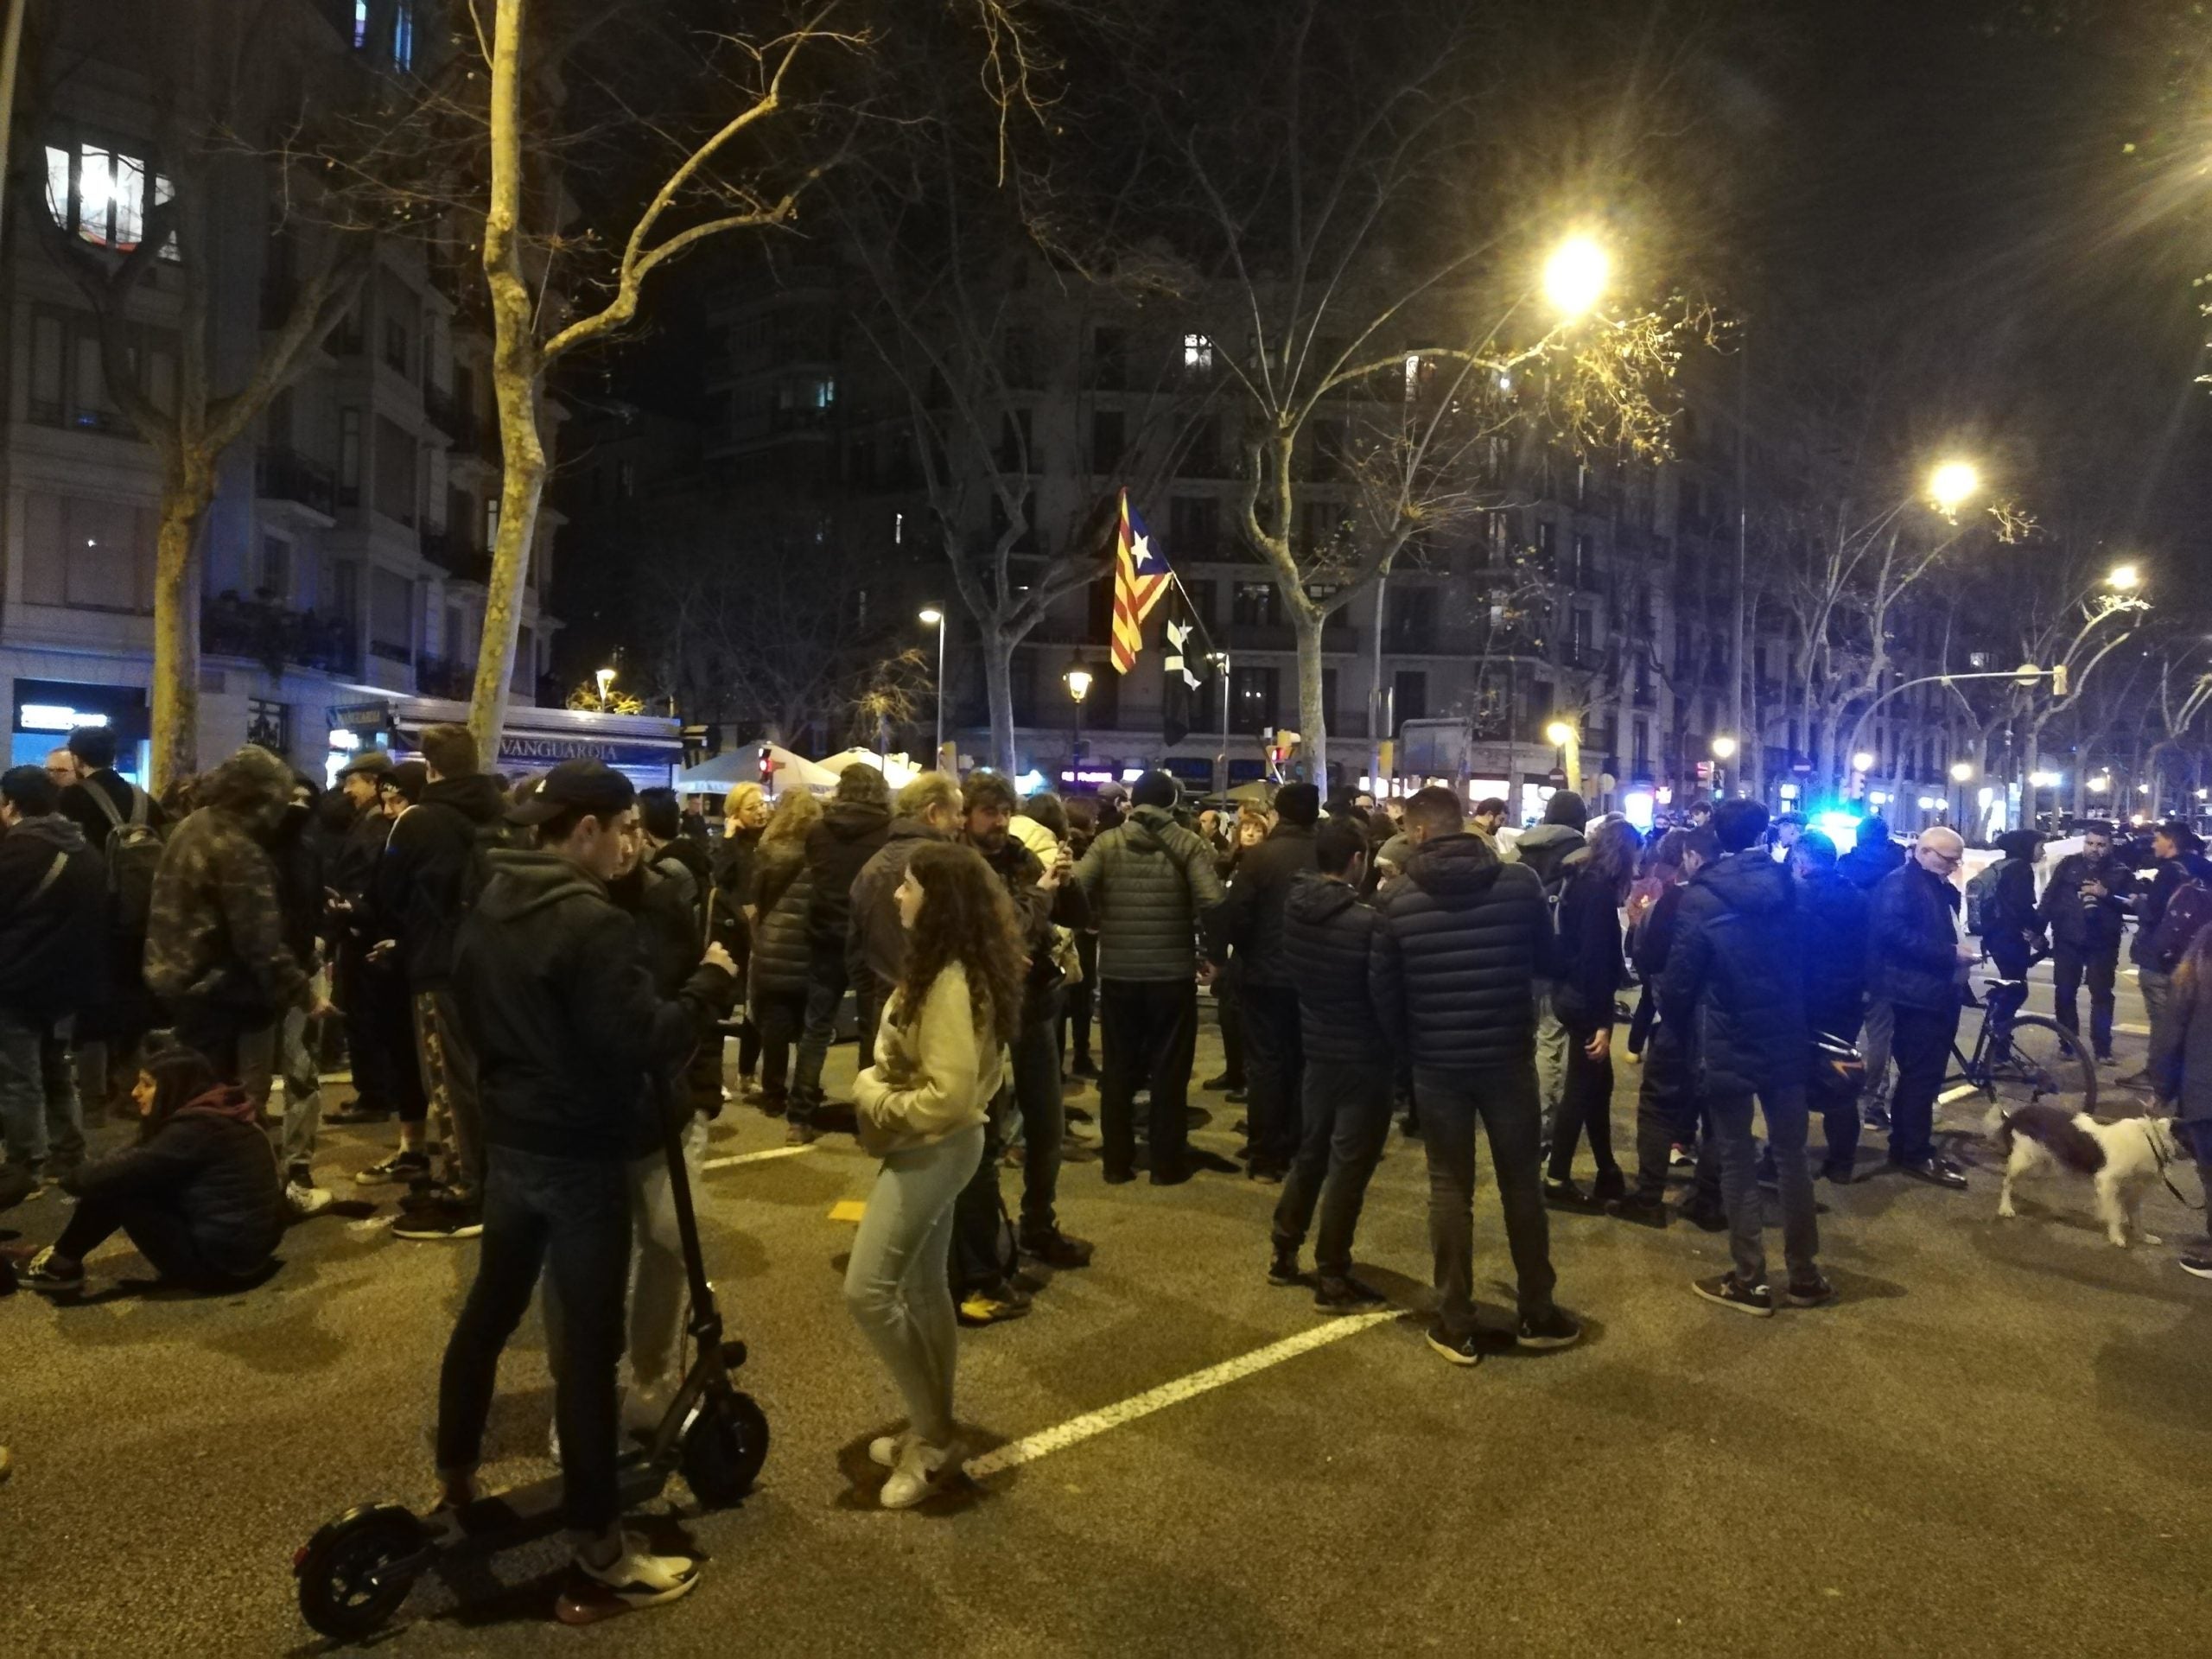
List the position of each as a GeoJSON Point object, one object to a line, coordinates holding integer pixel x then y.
{"type": "Point", "coordinates": [935, 617]}
{"type": "Point", "coordinates": [1078, 684]}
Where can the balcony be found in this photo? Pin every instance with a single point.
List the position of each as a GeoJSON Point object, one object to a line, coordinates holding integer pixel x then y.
{"type": "Point", "coordinates": [286, 475]}
{"type": "Point", "coordinates": [433, 544]}
{"type": "Point", "coordinates": [392, 652]}
{"type": "Point", "coordinates": [275, 636]}
{"type": "Point", "coordinates": [442, 677]}
{"type": "Point", "coordinates": [445, 414]}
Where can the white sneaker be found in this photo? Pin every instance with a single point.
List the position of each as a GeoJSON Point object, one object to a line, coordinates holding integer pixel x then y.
{"type": "Point", "coordinates": [305, 1201]}
{"type": "Point", "coordinates": [883, 1451]}
{"type": "Point", "coordinates": [920, 1467]}
{"type": "Point", "coordinates": [636, 1578]}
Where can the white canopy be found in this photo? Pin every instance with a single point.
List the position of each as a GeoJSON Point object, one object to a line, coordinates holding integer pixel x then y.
{"type": "Point", "coordinates": [898, 771]}
{"type": "Point", "coordinates": [742, 765]}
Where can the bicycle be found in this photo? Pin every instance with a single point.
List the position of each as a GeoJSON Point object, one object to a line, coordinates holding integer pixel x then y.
{"type": "Point", "coordinates": [2025, 1059]}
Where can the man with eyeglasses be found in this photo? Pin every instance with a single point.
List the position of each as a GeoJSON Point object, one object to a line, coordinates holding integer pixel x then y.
{"type": "Point", "coordinates": [1918, 962]}
{"type": "Point", "coordinates": [62, 768]}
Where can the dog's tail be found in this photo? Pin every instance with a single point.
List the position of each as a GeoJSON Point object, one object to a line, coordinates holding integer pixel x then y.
{"type": "Point", "coordinates": [2050, 1127]}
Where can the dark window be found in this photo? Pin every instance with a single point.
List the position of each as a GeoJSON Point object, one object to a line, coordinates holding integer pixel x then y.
{"type": "Point", "coordinates": [1409, 694]}
{"type": "Point", "coordinates": [1251, 698]}
{"type": "Point", "coordinates": [1193, 527]}
{"type": "Point", "coordinates": [1202, 599]}
{"type": "Point", "coordinates": [1255, 605]}
{"type": "Point", "coordinates": [1108, 359]}
{"type": "Point", "coordinates": [1106, 439]}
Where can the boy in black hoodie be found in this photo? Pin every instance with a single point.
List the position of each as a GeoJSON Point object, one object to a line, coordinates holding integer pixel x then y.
{"type": "Point", "coordinates": [571, 1038]}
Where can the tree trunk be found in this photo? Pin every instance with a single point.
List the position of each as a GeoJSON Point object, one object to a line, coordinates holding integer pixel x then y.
{"type": "Point", "coordinates": [1311, 727]}
{"type": "Point", "coordinates": [998, 685]}
{"type": "Point", "coordinates": [187, 489]}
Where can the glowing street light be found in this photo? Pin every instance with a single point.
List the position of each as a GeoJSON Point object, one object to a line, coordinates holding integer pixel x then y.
{"type": "Point", "coordinates": [931, 617]}
{"type": "Point", "coordinates": [1954, 483]}
{"type": "Point", "coordinates": [1575, 276]}
{"type": "Point", "coordinates": [606, 678]}
{"type": "Point", "coordinates": [2125, 578]}
{"type": "Point", "coordinates": [1077, 681]}
{"type": "Point", "coordinates": [1862, 761]}
{"type": "Point", "coordinates": [1724, 748]}
{"type": "Point", "coordinates": [2045, 779]}
{"type": "Point", "coordinates": [2098, 785]}
{"type": "Point", "coordinates": [1961, 771]}
{"type": "Point", "coordinates": [1560, 734]}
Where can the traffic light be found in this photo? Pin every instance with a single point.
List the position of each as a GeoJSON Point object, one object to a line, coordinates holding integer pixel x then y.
{"type": "Point", "coordinates": [2058, 681]}
{"type": "Point", "coordinates": [767, 771]}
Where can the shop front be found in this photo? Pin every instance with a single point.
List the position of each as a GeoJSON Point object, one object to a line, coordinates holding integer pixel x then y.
{"type": "Point", "coordinates": [647, 749]}
{"type": "Point", "coordinates": [47, 711]}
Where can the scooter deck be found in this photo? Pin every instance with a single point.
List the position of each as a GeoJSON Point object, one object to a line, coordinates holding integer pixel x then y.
{"type": "Point", "coordinates": [500, 1519]}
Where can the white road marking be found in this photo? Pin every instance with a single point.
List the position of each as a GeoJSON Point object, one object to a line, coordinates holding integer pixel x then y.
{"type": "Point", "coordinates": [1959, 1093]}
{"type": "Point", "coordinates": [1078, 1429]}
{"type": "Point", "coordinates": [2132, 1031]}
{"type": "Point", "coordinates": [754, 1157]}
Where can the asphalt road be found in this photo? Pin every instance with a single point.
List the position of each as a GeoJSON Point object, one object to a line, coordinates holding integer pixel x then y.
{"type": "Point", "coordinates": [1994, 1444]}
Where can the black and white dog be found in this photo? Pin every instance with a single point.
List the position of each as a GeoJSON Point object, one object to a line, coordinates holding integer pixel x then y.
{"type": "Point", "coordinates": [2120, 1159]}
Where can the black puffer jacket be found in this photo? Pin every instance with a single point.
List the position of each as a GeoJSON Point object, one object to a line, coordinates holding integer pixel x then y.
{"type": "Point", "coordinates": [1149, 881]}
{"type": "Point", "coordinates": [53, 933]}
{"type": "Point", "coordinates": [212, 1166]}
{"type": "Point", "coordinates": [837, 849]}
{"type": "Point", "coordinates": [1460, 941]}
{"type": "Point", "coordinates": [1865, 865]}
{"type": "Point", "coordinates": [2150, 908]}
{"type": "Point", "coordinates": [569, 1029]}
{"type": "Point", "coordinates": [1589, 960]}
{"type": "Point", "coordinates": [432, 865]}
{"type": "Point", "coordinates": [2088, 926]}
{"type": "Point", "coordinates": [1250, 918]}
{"type": "Point", "coordinates": [1733, 988]}
{"type": "Point", "coordinates": [1912, 941]}
{"type": "Point", "coordinates": [1835, 953]}
{"type": "Point", "coordinates": [781, 892]}
{"type": "Point", "coordinates": [1327, 937]}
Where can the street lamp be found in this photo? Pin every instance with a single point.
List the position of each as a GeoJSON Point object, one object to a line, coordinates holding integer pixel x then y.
{"type": "Point", "coordinates": [606, 678]}
{"type": "Point", "coordinates": [933, 617]}
{"type": "Point", "coordinates": [2046, 780]}
{"type": "Point", "coordinates": [1724, 748]}
{"type": "Point", "coordinates": [1724, 751]}
{"type": "Point", "coordinates": [2125, 578]}
{"type": "Point", "coordinates": [1862, 761]}
{"type": "Point", "coordinates": [1953, 484]}
{"type": "Point", "coordinates": [1078, 684]}
{"type": "Point", "coordinates": [2098, 785]}
{"type": "Point", "coordinates": [1961, 771]}
{"type": "Point", "coordinates": [1575, 276]}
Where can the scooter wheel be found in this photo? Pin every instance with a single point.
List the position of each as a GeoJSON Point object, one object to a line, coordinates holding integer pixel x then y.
{"type": "Point", "coordinates": [724, 1448]}
{"type": "Point", "coordinates": [348, 1586]}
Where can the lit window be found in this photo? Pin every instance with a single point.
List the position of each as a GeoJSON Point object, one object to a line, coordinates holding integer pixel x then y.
{"type": "Point", "coordinates": [491, 521]}
{"type": "Point", "coordinates": [104, 195]}
{"type": "Point", "coordinates": [403, 36]}
{"type": "Point", "coordinates": [1198, 353]}
{"type": "Point", "coordinates": [360, 24]}
{"type": "Point", "coordinates": [57, 183]}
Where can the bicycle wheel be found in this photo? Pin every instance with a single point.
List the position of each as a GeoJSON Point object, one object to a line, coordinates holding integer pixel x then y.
{"type": "Point", "coordinates": [2039, 1063]}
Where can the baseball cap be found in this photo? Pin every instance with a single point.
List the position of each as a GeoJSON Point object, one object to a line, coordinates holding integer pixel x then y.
{"type": "Point", "coordinates": [588, 786]}
{"type": "Point", "coordinates": [368, 760]}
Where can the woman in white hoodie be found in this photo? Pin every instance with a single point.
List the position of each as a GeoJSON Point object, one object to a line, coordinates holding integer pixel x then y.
{"type": "Point", "coordinates": [940, 1058]}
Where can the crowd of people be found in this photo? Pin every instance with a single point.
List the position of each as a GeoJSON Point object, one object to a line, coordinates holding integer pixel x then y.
{"type": "Point", "coordinates": [535, 981]}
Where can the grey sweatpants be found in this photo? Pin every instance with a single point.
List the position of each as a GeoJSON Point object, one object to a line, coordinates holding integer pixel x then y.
{"type": "Point", "coordinates": [1551, 1057]}
{"type": "Point", "coordinates": [1785, 1111]}
{"type": "Point", "coordinates": [281, 1050]}
{"type": "Point", "coordinates": [897, 1282]}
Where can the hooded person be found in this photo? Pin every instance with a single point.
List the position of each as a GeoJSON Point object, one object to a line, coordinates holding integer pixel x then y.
{"type": "Point", "coordinates": [1734, 986]}
{"type": "Point", "coordinates": [1147, 881]}
{"type": "Point", "coordinates": [1461, 936]}
{"type": "Point", "coordinates": [216, 953]}
{"type": "Point", "coordinates": [1550, 848]}
{"type": "Point", "coordinates": [853, 827]}
{"type": "Point", "coordinates": [2011, 926]}
{"type": "Point", "coordinates": [433, 869]}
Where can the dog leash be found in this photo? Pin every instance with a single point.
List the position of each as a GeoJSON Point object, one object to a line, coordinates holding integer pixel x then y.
{"type": "Point", "coordinates": [2163, 1161]}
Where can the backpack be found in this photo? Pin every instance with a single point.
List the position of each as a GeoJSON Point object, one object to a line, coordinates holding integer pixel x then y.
{"type": "Point", "coordinates": [2186, 915]}
{"type": "Point", "coordinates": [133, 849]}
{"type": "Point", "coordinates": [1981, 899]}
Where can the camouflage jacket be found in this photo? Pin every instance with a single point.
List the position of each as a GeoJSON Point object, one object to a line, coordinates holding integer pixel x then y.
{"type": "Point", "coordinates": [215, 931]}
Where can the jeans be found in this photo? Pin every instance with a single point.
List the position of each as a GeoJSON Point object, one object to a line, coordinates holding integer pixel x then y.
{"type": "Point", "coordinates": [2069, 968]}
{"type": "Point", "coordinates": [1504, 1098]}
{"type": "Point", "coordinates": [1586, 1105]}
{"type": "Point", "coordinates": [660, 1288]}
{"type": "Point", "coordinates": [1922, 1045]}
{"type": "Point", "coordinates": [896, 1284]}
{"type": "Point", "coordinates": [369, 996]}
{"type": "Point", "coordinates": [569, 1218]}
{"type": "Point", "coordinates": [1551, 1057]}
{"type": "Point", "coordinates": [1346, 1120]}
{"type": "Point", "coordinates": [1785, 1111]}
{"type": "Point", "coordinates": [450, 1083]}
{"type": "Point", "coordinates": [261, 1054]}
{"type": "Point", "coordinates": [1081, 998]}
{"type": "Point", "coordinates": [2157, 990]}
{"type": "Point", "coordinates": [1229, 1013]}
{"type": "Point", "coordinates": [780, 1017]}
{"type": "Point", "coordinates": [825, 995]}
{"type": "Point", "coordinates": [39, 1113]}
{"type": "Point", "coordinates": [1666, 1117]}
{"type": "Point", "coordinates": [1151, 1031]}
{"type": "Point", "coordinates": [2008, 954]}
{"type": "Point", "coordinates": [1874, 1046]}
{"type": "Point", "coordinates": [1274, 1059]}
{"type": "Point", "coordinates": [156, 1231]}
{"type": "Point", "coordinates": [1032, 1095]}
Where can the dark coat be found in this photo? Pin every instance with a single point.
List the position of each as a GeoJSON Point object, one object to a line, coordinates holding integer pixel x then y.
{"type": "Point", "coordinates": [1733, 990]}
{"type": "Point", "coordinates": [2150, 908]}
{"type": "Point", "coordinates": [1864, 866]}
{"type": "Point", "coordinates": [1249, 919]}
{"type": "Point", "coordinates": [1328, 936]}
{"type": "Point", "coordinates": [1149, 881]}
{"type": "Point", "coordinates": [432, 867]}
{"type": "Point", "coordinates": [1038, 911]}
{"type": "Point", "coordinates": [296, 851]}
{"type": "Point", "coordinates": [1461, 940]}
{"type": "Point", "coordinates": [1546, 849]}
{"type": "Point", "coordinates": [2183, 1041]}
{"type": "Point", "coordinates": [54, 934]}
{"type": "Point", "coordinates": [782, 889]}
{"type": "Point", "coordinates": [570, 1033]}
{"type": "Point", "coordinates": [216, 931]}
{"type": "Point", "coordinates": [876, 939]}
{"type": "Point", "coordinates": [2089, 927]}
{"type": "Point", "coordinates": [848, 837]}
{"type": "Point", "coordinates": [662, 901]}
{"type": "Point", "coordinates": [1834, 913]}
{"type": "Point", "coordinates": [1911, 942]}
{"type": "Point", "coordinates": [1588, 963]}
{"type": "Point", "coordinates": [81, 809]}
{"type": "Point", "coordinates": [212, 1167]}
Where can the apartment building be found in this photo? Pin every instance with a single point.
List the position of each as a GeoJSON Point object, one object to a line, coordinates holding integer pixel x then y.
{"type": "Point", "coordinates": [346, 554]}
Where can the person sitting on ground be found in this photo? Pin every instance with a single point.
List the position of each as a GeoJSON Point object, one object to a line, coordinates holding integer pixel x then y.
{"type": "Point", "coordinates": [198, 1196]}
{"type": "Point", "coordinates": [940, 1058]}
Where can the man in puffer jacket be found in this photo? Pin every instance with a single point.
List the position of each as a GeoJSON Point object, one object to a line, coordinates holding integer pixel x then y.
{"type": "Point", "coordinates": [1916, 962]}
{"type": "Point", "coordinates": [1460, 943]}
{"type": "Point", "coordinates": [855, 824]}
{"type": "Point", "coordinates": [1734, 985]}
{"type": "Point", "coordinates": [1835, 987]}
{"type": "Point", "coordinates": [1327, 937]}
{"type": "Point", "coordinates": [1149, 881]}
{"type": "Point", "coordinates": [215, 951]}
{"type": "Point", "coordinates": [1549, 849]}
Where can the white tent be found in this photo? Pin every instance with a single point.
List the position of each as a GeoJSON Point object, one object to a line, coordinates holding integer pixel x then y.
{"type": "Point", "coordinates": [742, 765]}
{"type": "Point", "coordinates": [898, 771]}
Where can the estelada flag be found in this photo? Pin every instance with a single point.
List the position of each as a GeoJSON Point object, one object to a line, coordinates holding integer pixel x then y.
{"type": "Point", "coordinates": [1140, 577]}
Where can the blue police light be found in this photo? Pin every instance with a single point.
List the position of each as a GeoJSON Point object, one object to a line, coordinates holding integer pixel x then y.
{"type": "Point", "coordinates": [1842, 828]}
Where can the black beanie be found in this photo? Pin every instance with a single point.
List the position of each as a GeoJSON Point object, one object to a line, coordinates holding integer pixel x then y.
{"type": "Point", "coordinates": [1156, 788]}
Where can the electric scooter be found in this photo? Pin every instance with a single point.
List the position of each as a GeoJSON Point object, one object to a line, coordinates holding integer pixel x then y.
{"type": "Point", "coordinates": [357, 1572]}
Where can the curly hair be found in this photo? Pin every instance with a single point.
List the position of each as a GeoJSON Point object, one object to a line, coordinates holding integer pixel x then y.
{"type": "Point", "coordinates": [795, 813]}
{"type": "Point", "coordinates": [966, 918]}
